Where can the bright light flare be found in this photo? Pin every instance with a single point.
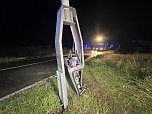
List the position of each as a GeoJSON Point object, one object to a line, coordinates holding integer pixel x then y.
{"type": "Point", "coordinates": [99, 38]}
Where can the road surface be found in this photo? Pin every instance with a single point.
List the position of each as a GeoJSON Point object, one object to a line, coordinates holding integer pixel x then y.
{"type": "Point", "coordinates": [15, 76]}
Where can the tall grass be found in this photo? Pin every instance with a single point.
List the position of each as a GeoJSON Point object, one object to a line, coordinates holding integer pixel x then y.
{"type": "Point", "coordinates": [138, 66]}
{"type": "Point", "coordinates": [117, 84]}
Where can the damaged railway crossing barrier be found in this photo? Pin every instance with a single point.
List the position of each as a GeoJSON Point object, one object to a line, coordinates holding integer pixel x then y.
{"type": "Point", "coordinates": [70, 68]}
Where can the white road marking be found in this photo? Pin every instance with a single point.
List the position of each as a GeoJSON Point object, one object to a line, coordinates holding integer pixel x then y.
{"type": "Point", "coordinates": [27, 87]}
{"type": "Point", "coordinates": [26, 65]}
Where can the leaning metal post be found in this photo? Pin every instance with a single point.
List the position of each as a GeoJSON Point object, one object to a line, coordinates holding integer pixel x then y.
{"type": "Point", "coordinates": [74, 63]}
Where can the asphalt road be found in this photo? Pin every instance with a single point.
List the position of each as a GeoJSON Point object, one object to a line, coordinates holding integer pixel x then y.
{"type": "Point", "coordinates": [15, 76]}
{"type": "Point", "coordinates": [21, 74]}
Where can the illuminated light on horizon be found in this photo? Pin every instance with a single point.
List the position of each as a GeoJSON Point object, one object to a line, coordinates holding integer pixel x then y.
{"type": "Point", "coordinates": [99, 38]}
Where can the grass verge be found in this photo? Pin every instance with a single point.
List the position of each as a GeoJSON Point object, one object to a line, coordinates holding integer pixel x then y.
{"type": "Point", "coordinates": [11, 59]}
{"type": "Point", "coordinates": [38, 100]}
{"type": "Point", "coordinates": [116, 84]}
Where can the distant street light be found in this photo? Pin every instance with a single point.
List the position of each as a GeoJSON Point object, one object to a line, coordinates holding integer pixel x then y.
{"type": "Point", "coordinates": [99, 38]}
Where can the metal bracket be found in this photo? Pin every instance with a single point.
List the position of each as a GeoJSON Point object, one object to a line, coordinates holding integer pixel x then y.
{"type": "Point", "coordinates": [74, 63]}
{"type": "Point", "coordinates": [68, 15]}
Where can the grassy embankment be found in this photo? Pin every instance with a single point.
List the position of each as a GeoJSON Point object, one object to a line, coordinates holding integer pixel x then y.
{"type": "Point", "coordinates": [42, 99]}
{"type": "Point", "coordinates": [116, 84]}
{"type": "Point", "coordinates": [11, 59]}
{"type": "Point", "coordinates": [17, 59]}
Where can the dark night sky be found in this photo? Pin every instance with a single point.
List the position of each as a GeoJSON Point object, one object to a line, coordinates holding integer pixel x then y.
{"type": "Point", "coordinates": [32, 22]}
